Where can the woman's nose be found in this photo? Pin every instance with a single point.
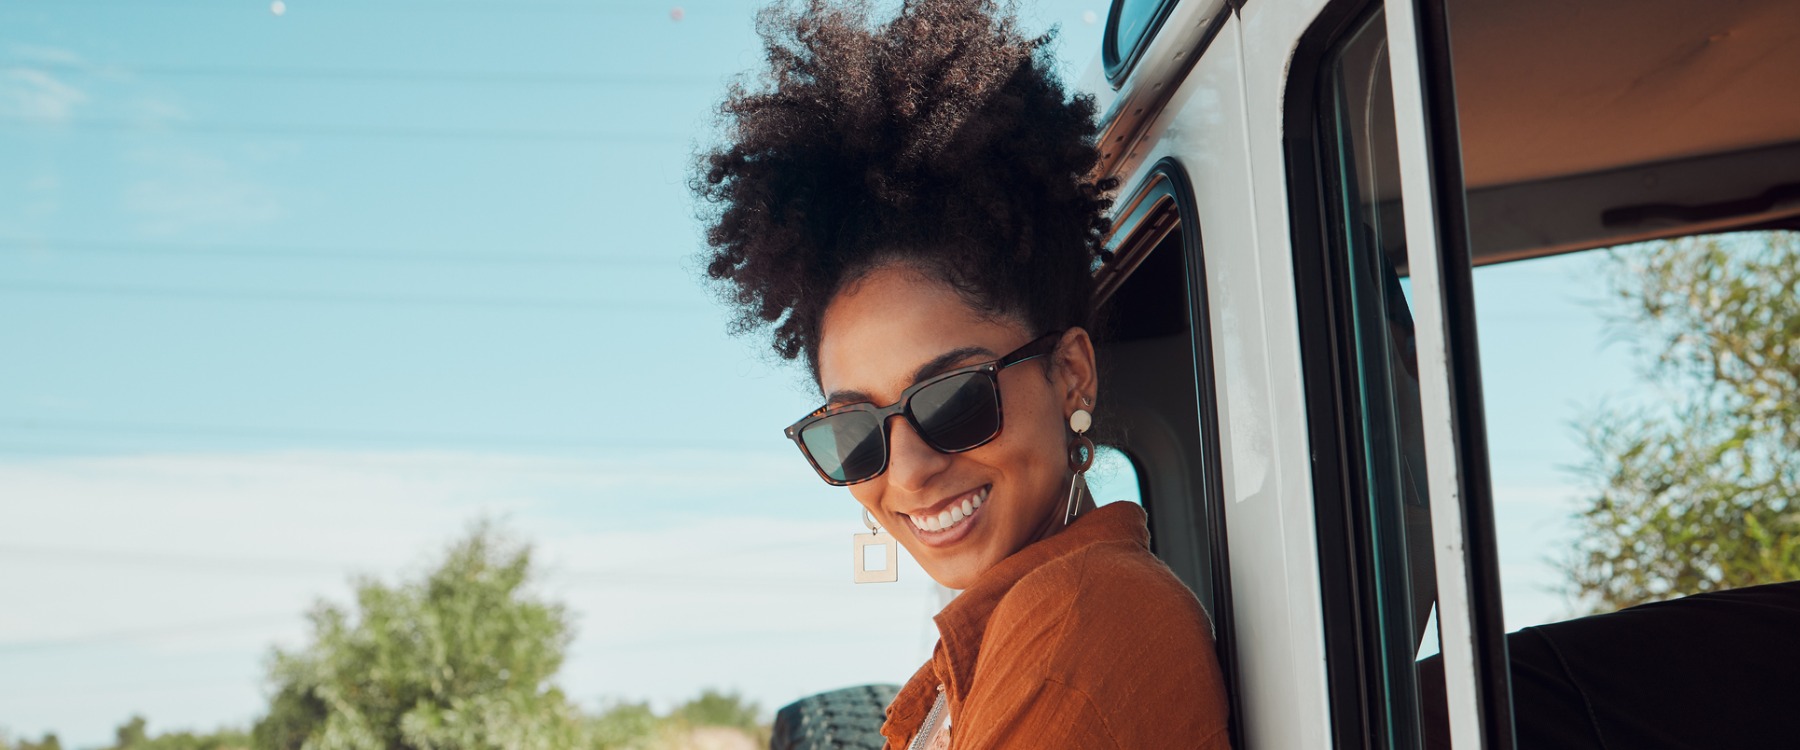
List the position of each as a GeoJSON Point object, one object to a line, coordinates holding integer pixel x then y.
{"type": "Point", "coordinates": [911, 462]}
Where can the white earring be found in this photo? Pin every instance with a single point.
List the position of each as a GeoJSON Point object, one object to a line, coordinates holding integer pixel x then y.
{"type": "Point", "coordinates": [888, 573]}
{"type": "Point", "coordinates": [1081, 456]}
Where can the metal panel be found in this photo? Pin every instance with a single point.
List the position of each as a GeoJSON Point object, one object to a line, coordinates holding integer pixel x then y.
{"type": "Point", "coordinates": [1218, 130]}
{"type": "Point", "coordinates": [1163, 67]}
{"type": "Point", "coordinates": [1470, 627]}
{"type": "Point", "coordinates": [1227, 131]}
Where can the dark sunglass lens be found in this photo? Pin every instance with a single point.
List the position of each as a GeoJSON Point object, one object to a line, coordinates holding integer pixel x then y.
{"type": "Point", "coordinates": [959, 412]}
{"type": "Point", "coordinates": [847, 446]}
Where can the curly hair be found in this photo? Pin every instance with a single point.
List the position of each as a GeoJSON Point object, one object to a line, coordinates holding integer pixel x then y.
{"type": "Point", "coordinates": [942, 140]}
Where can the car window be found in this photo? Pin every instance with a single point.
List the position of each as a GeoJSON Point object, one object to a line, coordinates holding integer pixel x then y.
{"type": "Point", "coordinates": [1114, 477]}
{"type": "Point", "coordinates": [1129, 29]}
{"type": "Point", "coordinates": [1157, 386]}
{"type": "Point", "coordinates": [1382, 498]}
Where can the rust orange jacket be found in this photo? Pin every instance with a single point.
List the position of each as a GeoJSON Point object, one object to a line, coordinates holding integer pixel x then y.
{"type": "Point", "coordinates": [1082, 640]}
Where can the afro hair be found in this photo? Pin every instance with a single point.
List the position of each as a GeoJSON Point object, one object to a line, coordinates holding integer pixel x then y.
{"type": "Point", "coordinates": [941, 139]}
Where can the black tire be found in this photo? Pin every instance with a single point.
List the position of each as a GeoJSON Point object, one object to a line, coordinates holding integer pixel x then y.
{"type": "Point", "coordinates": [847, 719]}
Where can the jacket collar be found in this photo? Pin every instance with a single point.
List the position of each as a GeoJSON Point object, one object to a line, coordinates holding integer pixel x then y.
{"type": "Point", "coordinates": [962, 623]}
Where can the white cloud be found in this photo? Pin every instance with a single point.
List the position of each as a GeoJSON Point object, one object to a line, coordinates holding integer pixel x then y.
{"type": "Point", "coordinates": [38, 53]}
{"type": "Point", "coordinates": [38, 95]}
{"type": "Point", "coordinates": [185, 190]}
{"type": "Point", "coordinates": [153, 110]}
{"type": "Point", "coordinates": [43, 199]}
{"type": "Point", "coordinates": [128, 576]}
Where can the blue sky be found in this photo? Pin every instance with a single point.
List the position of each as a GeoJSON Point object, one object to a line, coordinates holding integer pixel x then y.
{"type": "Point", "coordinates": [286, 298]}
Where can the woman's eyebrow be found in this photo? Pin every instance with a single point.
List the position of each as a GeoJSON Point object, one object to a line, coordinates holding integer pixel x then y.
{"type": "Point", "coordinates": [948, 361]}
{"type": "Point", "coordinates": [942, 362]}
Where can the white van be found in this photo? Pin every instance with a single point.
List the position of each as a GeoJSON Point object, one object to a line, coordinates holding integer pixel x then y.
{"type": "Point", "coordinates": [1310, 444]}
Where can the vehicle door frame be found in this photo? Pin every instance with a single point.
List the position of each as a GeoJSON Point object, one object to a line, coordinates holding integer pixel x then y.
{"type": "Point", "coordinates": [1467, 562]}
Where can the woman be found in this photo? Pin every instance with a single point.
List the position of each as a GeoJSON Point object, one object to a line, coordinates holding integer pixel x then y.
{"type": "Point", "coordinates": [907, 207]}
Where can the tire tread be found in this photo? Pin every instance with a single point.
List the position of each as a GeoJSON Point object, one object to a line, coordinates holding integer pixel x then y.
{"type": "Point", "coordinates": [846, 719]}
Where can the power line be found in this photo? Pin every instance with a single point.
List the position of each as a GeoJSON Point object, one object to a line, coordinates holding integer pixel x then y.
{"type": "Point", "coordinates": [642, 580]}
{"type": "Point", "coordinates": [640, 575]}
{"type": "Point", "coordinates": [689, 640]}
{"type": "Point", "coordinates": [632, 576]}
{"type": "Point", "coordinates": [261, 622]}
{"type": "Point", "coordinates": [279, 433]}
{"type": "Point", "coordinates": [341, 298]}
{"type": "Point", "coordinates": [135, 559]}
{"type": "Point", "coordinates": [429, 6]}
{"type": "Point", "coordinates": [162, 686]}
{"type": "Point", "coordinates": [638, 572]}
{"type": "Point", "coordinates": [249, 252]}
{"type": "Point", "coordinates": [104, 637]}
{"type": "Point", "coordinates": [88, 451]}
{"type": "Point", "coordinates": [477, 77]}
{"type": "Point", "coordinates": [349, 131]}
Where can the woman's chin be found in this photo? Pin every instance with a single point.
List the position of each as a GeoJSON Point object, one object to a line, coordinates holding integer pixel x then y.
{"type": "Point", "coordinates": [957, 578]}
{"type": "Point", "coordinates": [958, 569]}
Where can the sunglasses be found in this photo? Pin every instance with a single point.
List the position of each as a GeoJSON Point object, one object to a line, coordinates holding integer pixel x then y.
{"type": "Point", "coordinates": [953, 412]}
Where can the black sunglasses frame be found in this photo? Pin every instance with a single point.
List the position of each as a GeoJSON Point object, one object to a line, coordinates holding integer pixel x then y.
{"type": "Point", "coordinates": [1038, 347]}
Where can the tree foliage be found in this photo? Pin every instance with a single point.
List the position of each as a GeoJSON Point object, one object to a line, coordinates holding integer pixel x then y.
{"type": "Point", "coordinates": [461, 659]}
{"type": "Point", "coordinates": [1701, 493]}
{"type": "Point", "coordinates": [134, 734]}
{"type": "Point", "coordinates": [49, 742]}
{"type": "Point", "coordinates": [719, 709]}
{"type": "Point", "coordinates": [634, 726]}
{"type": "Point", "coordinates": [628, 726]}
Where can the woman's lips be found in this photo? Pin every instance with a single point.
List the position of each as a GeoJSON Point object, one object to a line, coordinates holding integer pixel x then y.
{"type": "Point", "coordinates": [950, 525]}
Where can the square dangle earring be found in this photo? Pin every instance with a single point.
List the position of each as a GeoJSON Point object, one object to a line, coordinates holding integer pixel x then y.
{"type": "Point", "coordinates": [890, 570]}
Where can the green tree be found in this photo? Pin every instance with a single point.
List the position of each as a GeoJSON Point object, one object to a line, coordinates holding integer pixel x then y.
{"type": "Point", "coordinates": [461, 659]}
{"type": "Point", "coordinates": [628, 726]}
{"type": "Point", "coordinates": [718, 709]}
{"type": "Point", "coordinates": [49, 742]}
{"type": "Point", "coordinates": [1700, 493]}
{"type": "Point", "coordinates": [634, 726]}
{"type": "Point", "coordinates": [135, 735]}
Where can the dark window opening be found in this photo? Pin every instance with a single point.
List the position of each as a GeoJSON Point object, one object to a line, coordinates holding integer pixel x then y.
{"type": "Point", "coordinates": [1157, 391]}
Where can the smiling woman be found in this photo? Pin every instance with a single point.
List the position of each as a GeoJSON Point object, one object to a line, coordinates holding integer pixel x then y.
{"type": "Point", "coordinates": [905, 205]}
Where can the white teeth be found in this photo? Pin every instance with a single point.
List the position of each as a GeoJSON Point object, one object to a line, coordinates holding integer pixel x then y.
{"type": "Point", "coordinates": [952, 515]}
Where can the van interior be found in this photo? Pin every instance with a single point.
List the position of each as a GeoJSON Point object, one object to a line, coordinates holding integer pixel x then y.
{"type": "Point", "coordinates": [1603, 122]}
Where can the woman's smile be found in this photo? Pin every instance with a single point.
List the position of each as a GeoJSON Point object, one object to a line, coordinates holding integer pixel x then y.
{"type": "Point", "coordinates": [958, 512]}
{"type": "Point", "coordinates": [950, 521]}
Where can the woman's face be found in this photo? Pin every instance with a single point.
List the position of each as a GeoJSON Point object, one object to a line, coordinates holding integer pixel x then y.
{"type": "Point", "coordinates": [895, 327]}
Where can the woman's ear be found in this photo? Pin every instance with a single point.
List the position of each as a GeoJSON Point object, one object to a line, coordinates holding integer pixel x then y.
{"type": "Point", "coordinates": [1074, 372]}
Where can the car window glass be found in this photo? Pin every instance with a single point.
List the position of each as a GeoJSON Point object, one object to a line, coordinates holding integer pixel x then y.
{"type": "Point", "coordinates": [1388, 490]}
{"type": "Point", "coordinates": [1114, 477]}
{"type": "Point", "coordinates": [1133, 22]}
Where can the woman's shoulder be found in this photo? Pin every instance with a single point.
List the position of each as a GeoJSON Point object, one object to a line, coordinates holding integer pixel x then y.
{"type": "Point", "coordinates": [1104, 595]}
{"type": "Point", "coordinates": [1112, 624]}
